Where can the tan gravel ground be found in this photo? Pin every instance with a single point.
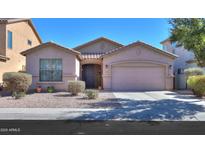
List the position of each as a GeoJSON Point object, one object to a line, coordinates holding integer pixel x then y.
{"type": "Point", "coordinates": [58, 100]}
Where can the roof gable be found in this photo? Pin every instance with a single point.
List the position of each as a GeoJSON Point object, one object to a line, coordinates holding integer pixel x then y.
{"type": "Point", "coordinates": [166, 40]}
{"type": "Point", "coordinates": [96, 41]}
{"type": "Point", "coordinates": [50, 44]}
{"type": "Point", "coordinates": [15, 20]}
{"type": "Point", "coordinates": [139, 43]}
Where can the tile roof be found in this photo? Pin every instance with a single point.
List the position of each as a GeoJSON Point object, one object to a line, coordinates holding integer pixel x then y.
{"type": "Point", "coordinates": [139, 43]}
{"type": "Point", "coordinates": [12, 20]}
{"type": "Point", "coordinates": [91, 56]}
{"type": "Point", "coordinates": [49, 44]}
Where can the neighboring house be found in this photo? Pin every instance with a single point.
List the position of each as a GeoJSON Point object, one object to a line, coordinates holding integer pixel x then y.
{"type": "Point", "coordinates": [185, 60]}
{"type": "Point", "coordinates": [16, 35]}
{"type": "Point", "coordinates": [101, 63]}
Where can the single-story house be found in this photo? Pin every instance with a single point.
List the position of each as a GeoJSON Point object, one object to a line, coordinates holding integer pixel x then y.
{"type": "Point", "coordinates": [52, 65]}
{"type": "Point", "coordinates": [101, 63]}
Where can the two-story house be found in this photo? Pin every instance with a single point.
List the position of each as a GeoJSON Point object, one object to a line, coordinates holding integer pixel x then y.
{"type": "Point", "coordinates": [185, 60]}
{"type": "Point", "coordinates": [16, 35]}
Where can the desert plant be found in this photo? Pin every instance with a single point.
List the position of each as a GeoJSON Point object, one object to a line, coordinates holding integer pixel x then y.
{"type": "Point", "coordinates": [50, 89]}
{"type": "Point", "coordinates": [197, 84]}
{"type": "Point", "coordinates": [75, 87]}
{"type": "Point", "coordinates": [17, 83]}
{"type": "Point", "coordinates": [92, 94]}
{"type": "Point", "coordinates": [193, 71]}
{"type": "Point", "coordinates": [18, 95]}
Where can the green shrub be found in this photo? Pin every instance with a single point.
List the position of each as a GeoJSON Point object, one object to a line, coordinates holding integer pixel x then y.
{"type": "Point", "coordinates": [92, 94]}
{"type": "Point", "coordinates": [197, 84]}
{"type": "Point", "coordinates": [50, 89]}
{"type": "Point", "coordinates": [193, 71]}
{"type": "Point", "coordinates": [191, 82]}
{"type": "Point", "coordinates": [17, 83]}
{"type": "Point", "coordinates": [75, 87]}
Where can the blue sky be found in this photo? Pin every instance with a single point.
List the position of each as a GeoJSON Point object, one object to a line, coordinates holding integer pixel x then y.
{"type": "Point", "coordinates": [72, 32]}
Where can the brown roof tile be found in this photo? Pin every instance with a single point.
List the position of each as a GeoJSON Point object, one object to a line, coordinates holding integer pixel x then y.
{"type": "Point", "coordinates": [91, 56]}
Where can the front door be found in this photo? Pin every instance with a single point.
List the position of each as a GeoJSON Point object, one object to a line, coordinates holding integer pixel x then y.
{"type": "Point", "coordinates": [91, 75]}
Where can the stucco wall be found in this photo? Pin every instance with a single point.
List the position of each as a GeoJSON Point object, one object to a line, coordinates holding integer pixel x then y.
{"type": "Point", "coordinates": [21, 33]}
{"type": "Point", "coordinates": [2, 39]}
{"type": "Point", "coordinates": [77, 68]}
{"type": "Point", "coordinates": [136, 54]}
{"type": "Point", "coordinates": [98, 47]}
{"type": "Point", "coordinates": [183, 54]}
{"type": "Point", "coordinates": [180, 62]}
{"type": "Point", "coordinates": [69, 66]}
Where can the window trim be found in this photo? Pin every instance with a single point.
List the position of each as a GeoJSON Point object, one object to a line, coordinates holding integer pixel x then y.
{"type": "Point", "coordinates": [51, 81]}
{"type": "Point", "coordinates": [9, 44]}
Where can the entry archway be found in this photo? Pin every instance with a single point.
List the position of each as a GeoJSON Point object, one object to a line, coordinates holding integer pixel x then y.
{"type": "Point", "coordinates": [92, 75]}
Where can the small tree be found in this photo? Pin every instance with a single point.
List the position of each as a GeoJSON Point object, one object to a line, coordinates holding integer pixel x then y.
{"type": "Point", "coordinates": [190, 33]}
{"type": "Point", "coordinates": [17, 83]}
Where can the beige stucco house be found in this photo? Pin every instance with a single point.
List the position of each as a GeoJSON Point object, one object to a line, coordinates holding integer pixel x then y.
{"type": "Point", "coordinates": [16, 35]}
{"type": "Point", "coordinates": [102, 63]}
{"type": "Point", "coordinates": [52, 65]}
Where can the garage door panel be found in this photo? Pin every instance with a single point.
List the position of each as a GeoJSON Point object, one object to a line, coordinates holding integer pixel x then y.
{"type": "Point", "coordinates": [138, 78]}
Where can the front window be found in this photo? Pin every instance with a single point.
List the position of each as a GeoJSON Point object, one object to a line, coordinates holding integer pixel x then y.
{"type": "Point", "coordinates": [51, 70]}
{"type": "Point", "coordinates": [10, 39]}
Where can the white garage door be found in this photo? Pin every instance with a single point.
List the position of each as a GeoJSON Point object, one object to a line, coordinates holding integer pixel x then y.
{"type": "Point", "coordinates": [138, 78]}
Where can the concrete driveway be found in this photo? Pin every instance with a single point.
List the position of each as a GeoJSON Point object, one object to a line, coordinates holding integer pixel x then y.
{"type": "Point", "coordinates": [137, 106]}
{"type": "Point", "coordinates": [153, 106]}
{"type": "Point", "coordinates": [162, 105]}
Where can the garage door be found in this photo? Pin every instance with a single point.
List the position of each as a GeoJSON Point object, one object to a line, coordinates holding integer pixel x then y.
{"type": "Point", "coordinates": [138, 78]}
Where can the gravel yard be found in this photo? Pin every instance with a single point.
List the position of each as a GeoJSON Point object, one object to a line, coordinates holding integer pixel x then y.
{"type": "Point", "coordinates": [57, 100]}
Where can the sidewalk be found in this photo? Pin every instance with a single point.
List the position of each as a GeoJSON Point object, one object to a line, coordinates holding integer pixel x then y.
{"type": "Point", "coordinates": [68, 114]}
{"type": "Point", "coordinates": [43, 113]}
